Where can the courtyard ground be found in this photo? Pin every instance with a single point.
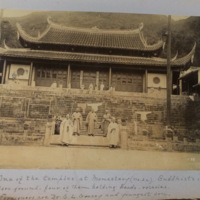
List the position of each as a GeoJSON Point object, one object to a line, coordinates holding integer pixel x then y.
{"type": "Point", "coordinates": [61, 157]}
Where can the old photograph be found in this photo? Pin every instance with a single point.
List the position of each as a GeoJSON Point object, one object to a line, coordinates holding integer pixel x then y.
{"type": "Point", "coordinates": [99, 90]}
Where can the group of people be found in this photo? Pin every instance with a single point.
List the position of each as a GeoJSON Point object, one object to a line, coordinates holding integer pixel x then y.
{"type": "Point", "coordinates": [68, 127]}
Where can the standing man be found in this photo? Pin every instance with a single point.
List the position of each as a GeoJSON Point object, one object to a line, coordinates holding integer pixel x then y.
{"type": "Point", "coordinates": [66, 130]}
{"type": "Point", "coordinates": [106, 121]}
{"type": "Point", "coordinates": [91, 88]}
{"type": "Point", "coordinates": [113, 134]}
{"type": "Point", "coordinates": [77, 122]}
{"type": "Point", "coordinates": [102, 86]}
{"type": "Point", "coordinates": [58, 121]}
{"type": "Point", "coordinates": [91, 120]}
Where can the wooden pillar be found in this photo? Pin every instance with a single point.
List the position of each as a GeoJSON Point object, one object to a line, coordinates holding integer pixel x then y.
{"type": "Point", "coordinates": [7, 73]}
{"type": "Point", "coordinates": [69, 76]}
{"type": "Point", "coordinates": [180, 86]}
{"type": "Point", "coordinates": [198, 76]}
{"type": "Point", "coordinates": [4, 72]}
{"type": "Point", "coordinates": [146, 81]}
{"type": "Point", "coordinates": [33, 77]}
{"type": "Point", "coordinates": [30, 74]}
{"type": "Point", "coordinates": [110, 77]}
{"type": "Point", "coordinates": [81, 78]}
{"type": "Point", "coordinates": [169, 80]}
{"type": "Point", "coordinates": [97, 79]}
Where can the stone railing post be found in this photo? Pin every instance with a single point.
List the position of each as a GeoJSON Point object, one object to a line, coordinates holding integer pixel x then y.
{"type": "Point", "coordinates": [50, 126]}
{"type": "Point", "coordinates": [124, 137]}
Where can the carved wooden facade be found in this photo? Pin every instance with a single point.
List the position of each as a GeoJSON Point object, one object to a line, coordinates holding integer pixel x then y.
{"type": "Point", "coordinates": [77, 57]}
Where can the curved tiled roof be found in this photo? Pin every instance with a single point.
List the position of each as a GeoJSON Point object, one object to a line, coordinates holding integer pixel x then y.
{"type": "Point", "coordinates": [113, 39]}
{"type": "Point", "coordinates": [95, 58]}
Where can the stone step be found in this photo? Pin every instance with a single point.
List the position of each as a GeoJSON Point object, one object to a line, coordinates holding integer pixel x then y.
{"type": "Point", "coordinates": [83, 140]}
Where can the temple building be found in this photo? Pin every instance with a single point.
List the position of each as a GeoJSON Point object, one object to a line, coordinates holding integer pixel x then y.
{"type": "Point", "coordinates": [190, 81]}
{"type": "Point", "coordinates": [68, 71]}
{"type": "Point", "coordinates": [75, 58]}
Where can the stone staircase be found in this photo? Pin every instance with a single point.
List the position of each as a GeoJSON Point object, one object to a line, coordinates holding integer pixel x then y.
{"type": "Point", "coordinates": [98, 140]}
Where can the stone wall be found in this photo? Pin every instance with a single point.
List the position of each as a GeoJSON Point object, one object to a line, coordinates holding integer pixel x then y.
{"type": "Point", "coordinates": [24, 111]}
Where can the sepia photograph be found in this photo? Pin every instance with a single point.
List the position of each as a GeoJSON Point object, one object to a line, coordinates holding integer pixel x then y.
{"type": "Point", "coordinates": [94, 90]}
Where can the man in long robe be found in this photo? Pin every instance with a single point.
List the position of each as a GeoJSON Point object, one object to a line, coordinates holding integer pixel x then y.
{"type": "Point", "coordinates": [77, 122]}
{"type": "Point", "coordinates": [58, 122]}
{"type": "Point", "coordinates": [113, 134]}
{"type": "Point", "coordinates": [105, 123]}
{"type": "Point", "coordinates": [66, 129]}
{"type": "Point", "coordinates": [91, 121]}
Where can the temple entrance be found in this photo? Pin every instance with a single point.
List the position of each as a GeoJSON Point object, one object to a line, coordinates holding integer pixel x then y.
{"type": "Point", "coordinates": [127, 81]}
{"type": "Point", "coordinates": [89, 76]}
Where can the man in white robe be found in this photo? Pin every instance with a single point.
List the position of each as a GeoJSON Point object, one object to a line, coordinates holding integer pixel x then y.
{"type": "Point", "coordinates": [66, 130]}
{"type": "Point", "coordinates": [77, 122]}
{"type": "Point", "coordinates": [91, 121]}
{"type": "Point", "coordinates": [113, 134]}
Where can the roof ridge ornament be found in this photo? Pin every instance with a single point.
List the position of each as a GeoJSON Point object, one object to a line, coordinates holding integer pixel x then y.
{"type": "Point", "coordinates": [188, 57]}
{"type": "Point", "coordinates": [4, 45]}
{"type": "Point", "coordinates": [49, 20]}
{"type": "Point", "coordinates": [175, 57]}
{"type": "Point", "coordinates": [141, 26]}
{"type": "Point", "coordinates": [94, 28]}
